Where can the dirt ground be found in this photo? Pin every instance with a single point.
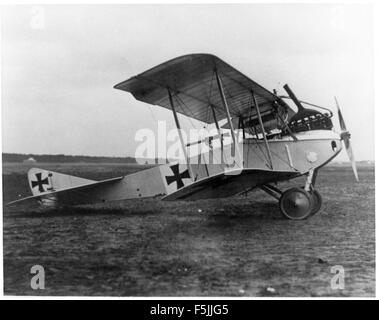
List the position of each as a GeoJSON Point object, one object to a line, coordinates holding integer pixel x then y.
{"type": "Point", "coordinates": [239, 246]}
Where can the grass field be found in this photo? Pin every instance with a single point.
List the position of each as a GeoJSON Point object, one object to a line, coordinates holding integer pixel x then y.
{"type": "Point", "coordinates": [238, 246]}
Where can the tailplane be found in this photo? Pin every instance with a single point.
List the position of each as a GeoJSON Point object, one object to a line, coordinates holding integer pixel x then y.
{"type": "Point", "coordinates": [51, 188]}
{"type": "Point", "coordinates": [43, 181]}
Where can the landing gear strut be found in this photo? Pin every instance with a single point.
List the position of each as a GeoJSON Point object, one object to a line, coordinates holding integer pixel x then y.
{"type": "Point", "coordinates": [315, 195]}
{"type": "Point", "coordinates": [298, 203]}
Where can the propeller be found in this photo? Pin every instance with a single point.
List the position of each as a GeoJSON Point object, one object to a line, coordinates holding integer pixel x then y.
{"type": "Point", "coordinates": [345, 136]}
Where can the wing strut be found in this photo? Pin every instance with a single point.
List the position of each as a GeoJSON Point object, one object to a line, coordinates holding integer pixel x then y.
{"type": "Point", "coordinates": [225, 103]}
{"type": "Point", "coordinates": [262, 129]}
{"type": "Point", "coordinates": [180, 134]}
{"type": "Point", "coordinates": [218, 128]}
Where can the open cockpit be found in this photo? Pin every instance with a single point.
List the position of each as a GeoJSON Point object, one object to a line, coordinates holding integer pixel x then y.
{"type": "Point", "coordinates": [283, 121]}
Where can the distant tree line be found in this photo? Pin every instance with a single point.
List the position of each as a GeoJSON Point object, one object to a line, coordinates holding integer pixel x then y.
{"type": "Point", "coordinates": [18, 157]}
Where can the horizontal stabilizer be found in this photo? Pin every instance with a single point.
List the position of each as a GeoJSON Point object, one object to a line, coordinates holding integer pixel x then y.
{"type": "Point", "coordinates": [44, 181]}
{"type": "Point", "coordinates": [49, 187]}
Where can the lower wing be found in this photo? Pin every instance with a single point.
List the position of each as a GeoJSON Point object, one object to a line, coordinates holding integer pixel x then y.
{"type": "Point", "coordinates": [226, 184]}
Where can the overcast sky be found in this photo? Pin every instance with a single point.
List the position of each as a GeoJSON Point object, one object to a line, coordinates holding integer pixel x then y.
{"type": "Point", "coordinates": [58, 72]}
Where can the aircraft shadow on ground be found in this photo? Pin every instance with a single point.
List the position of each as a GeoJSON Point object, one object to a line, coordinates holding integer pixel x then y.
{"type": "Point", "coordinates": [253, 211]}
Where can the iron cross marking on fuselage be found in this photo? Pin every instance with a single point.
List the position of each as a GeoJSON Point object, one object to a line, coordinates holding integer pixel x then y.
{"type": "Point", "coordinates": [177, 177]}
{"type": "Point", "coordinates": [39, 183]}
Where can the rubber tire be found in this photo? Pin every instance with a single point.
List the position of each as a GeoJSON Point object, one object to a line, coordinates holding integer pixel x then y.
{"type": "Point", "coordinates": [298, 201]}
{"type": "Point", "coordinates": [316, 201]}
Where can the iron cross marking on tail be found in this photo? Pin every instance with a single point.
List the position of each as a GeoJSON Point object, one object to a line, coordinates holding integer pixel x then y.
{"type": "Point", "coordinates": [177, 177]}
{"type": "Point", "coordinates": [39, 183]}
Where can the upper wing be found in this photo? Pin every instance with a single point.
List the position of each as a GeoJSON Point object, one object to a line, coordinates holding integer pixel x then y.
{"type": "Point", "coordinates": [192, 80]}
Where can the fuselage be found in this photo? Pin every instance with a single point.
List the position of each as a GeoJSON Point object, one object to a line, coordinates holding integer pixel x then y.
{"type": "Point", "coordinates": [313, 149]}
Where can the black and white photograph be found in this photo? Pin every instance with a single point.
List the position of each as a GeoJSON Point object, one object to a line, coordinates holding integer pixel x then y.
{"type": "Point", "coordinates": [188, 150]}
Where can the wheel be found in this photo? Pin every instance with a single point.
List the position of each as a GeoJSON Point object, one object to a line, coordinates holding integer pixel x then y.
{"type": "Point", "coordinates": [316, 201]}
{"type": "Point", "coordinates": [296, 204]}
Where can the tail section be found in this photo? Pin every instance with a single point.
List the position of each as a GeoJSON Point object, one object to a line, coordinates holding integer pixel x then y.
{"type": "Point", "coordinates": [52, 188]}
{"type": "Point", "coordinates": [43, 181]}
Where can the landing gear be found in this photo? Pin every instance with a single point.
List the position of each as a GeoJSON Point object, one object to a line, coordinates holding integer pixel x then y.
{"type": "Point", "coordinates": [297, 203]}
{"type": "Point", "coordinates": [316, 201]}
{"type": "Point", "coordinates": [314, 194]}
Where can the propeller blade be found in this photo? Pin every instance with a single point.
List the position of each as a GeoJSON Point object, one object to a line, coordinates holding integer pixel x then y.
{"type": "Point", "coordinates": [340, 118]}
{"type": "Point", "coordinates": [350, 154]}
{"type": "Point", "coordinates": [345, 135]}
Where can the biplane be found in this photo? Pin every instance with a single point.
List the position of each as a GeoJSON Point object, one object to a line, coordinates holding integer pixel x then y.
{"type": "Point", "coordinates": [277, 144]}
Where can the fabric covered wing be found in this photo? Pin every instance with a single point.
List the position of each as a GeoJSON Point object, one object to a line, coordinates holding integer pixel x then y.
{"type": "Point", "coordinates": [222, 185]}
{"type": "Point", "coordinates": [192, 80]}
